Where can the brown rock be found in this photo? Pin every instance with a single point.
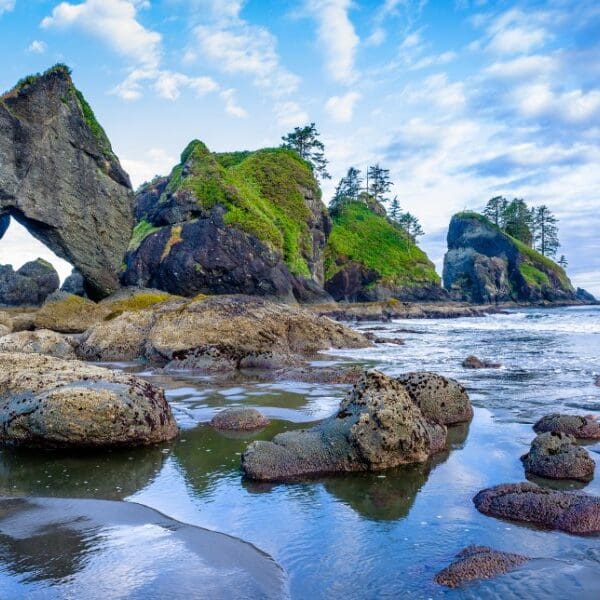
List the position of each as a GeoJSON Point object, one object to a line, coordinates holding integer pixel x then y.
{"type": "Point", "coordinates": [239, 419]}
{"type": "Point", "coordinates": [472, 362]}
{"type": "Point", "coordinates": [42, 341]}
{"type": "Point", "coordinates": [580, 427]}
{"type": "Point", "coordinates": [478, 562]}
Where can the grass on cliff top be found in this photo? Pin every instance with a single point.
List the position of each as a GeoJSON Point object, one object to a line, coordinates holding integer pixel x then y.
{"type": "Point", "coordinates": [29, 79]}
{"type": "Point", "coordinates": [373, 240]}
{"type": "Point", "coordinates": [533, 257]}
{"type": "Point", "coordinates": [260, 191]}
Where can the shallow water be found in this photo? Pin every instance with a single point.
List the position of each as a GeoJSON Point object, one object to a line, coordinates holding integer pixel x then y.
{"type": "Point", "coordinates": [367, 535]}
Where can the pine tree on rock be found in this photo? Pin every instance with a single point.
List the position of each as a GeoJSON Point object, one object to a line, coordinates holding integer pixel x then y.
{"type": "Point", "coordinates": [379, 182]}
{"type": "Point", "coordinates": [395, 210]}
{"type": "Point", "coordinates": [519, 221]}
{"type": "Point", "coordinates": [563, 262]}
{"type": "Point", "coordinates": [495, 210]}
{"type": "Point", "coordinates": [347, 190]}
{"type": "Point", "coordinates": [305, 141]}
{"type": "Point", "coordinates": [546, 231]}
{"type": "Point", "coordinates": [411, 225]}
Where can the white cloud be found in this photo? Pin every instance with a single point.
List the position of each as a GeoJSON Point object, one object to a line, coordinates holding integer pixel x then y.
{"type": "Point", "coordinates": [438, 91]}
{"type": "Point", "coordinates": [231, 106]}
{"type": "Point", "coordinates": [115, 23]}
{"type": "Point", "coordinates": [341, 108]}
{"type": "Point", "coordinates": [337, 36]}
{"type": "Point", "coordinates": [533, 65]}
{"type": "Point", "coordinates": [434, 60]}
{"type": "Point", "coordinates": [514, 40]}
{"type": "Point", "coordinates": [6, 6]}
{"type": "Point", "coordinates": [37, 47]}
{"type": "Point", "coordinates": [155, 162]}
{"type": "Point", "coordinates": [290, 114]}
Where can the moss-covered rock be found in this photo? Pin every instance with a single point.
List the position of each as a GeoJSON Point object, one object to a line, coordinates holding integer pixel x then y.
{"type": "Point", "coordinates": [484, 264]}
{"type": "Point", "coordinates": [368, 257]}
{"type": "Point", "coordinates": [249, 222]}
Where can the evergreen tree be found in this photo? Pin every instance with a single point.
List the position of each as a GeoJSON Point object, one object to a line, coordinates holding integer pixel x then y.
{"type": "Point", "coordinates": [518, 221]}
{"type": "Point", "coordinates": [563, 262]}
{"type": "Point", "coordinates": [395, 210]}
{"type": "Point", "coordinates": [410, 224]}
{"type": "Point", "coordinates": [378, 182]}
{"type": "Point", "coordinates": [495, 210]}
{"type": "Point", "coordinates": [546, 231]}
{"type": "Point", "coordinates": [305, 141]}
{"type": "Point", "coordinates": [347, 190]}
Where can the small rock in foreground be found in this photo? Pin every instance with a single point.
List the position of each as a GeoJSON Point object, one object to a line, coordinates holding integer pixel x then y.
{"type": "Point", "coordinates": [472, 362]}
{"type": "Point", "coordinates": [573, 512]}
{"type": "Point", "coordinates": [42, 341]}
{"type": "Point", "coordinates": [583, 428]}
{"type": "Point", "coordinates": [478, 562]}
{"type": "Point", "coordinates": [239, 419]}
{"type": "Point", "coordinates": [557, 456]}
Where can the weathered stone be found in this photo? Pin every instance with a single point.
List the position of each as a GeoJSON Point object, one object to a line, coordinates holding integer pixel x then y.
{"type": "Point", "coordinates": [580, 427]}
{"type": "Point", "coordinates": [67, 313]}
{"type": "Point", "coordinates": [376, 427]}
{"type": "Point", "coordinates": [42, 341]}
{"type": "Point", "coordinates": [30, 285]}
{"type": "Point", "coordinates": [60, 179]}
{"type": "Point", "coordinates": [573, 512]}
{"type": "Point", "coordinates": [472, 362]}
{"type": "Point", "coordinates": [441, 399]}
{"type": "Point", "coordinates": [557, 456]}
{"type": "Point", "coordinates": [74, 284]}
{"type": "Point", "coordinates": [239, 419]}
{"type": "Point", "coordinates": [478, 562]}
{"type": "Point", "coordinates": [47, 402]}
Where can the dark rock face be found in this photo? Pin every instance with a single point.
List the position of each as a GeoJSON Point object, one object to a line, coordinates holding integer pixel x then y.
{"type": "Point", "coordinates": [573, 512]}
{"type": "Point", "coordinates": [60, 179]}
{"type": "Point", "coordinates": [30, 285]}
{"type": "Point", "coordinates": [478, 562]}
{"type": "Point", "coordinates": [472, 362]}
{"type": "Point", "coordinates": [376, 427]}
{"type": "Point", "coordinates": [557, 456]}
{"type": "Point", "coordinates": [74, 284]}
{"type": "Point", "coordinates": [585, 297]}
{"type": "Point", "coordinates": [579, 427]}
{"type": "Point", "coordinates": [484, 265]}
{"type": "Point", "coordinates": [239, 419]}
{"type": "Point", "coordinates": [440, 399]}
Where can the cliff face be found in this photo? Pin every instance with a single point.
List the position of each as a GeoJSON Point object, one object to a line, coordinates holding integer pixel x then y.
{"type": "Point", "coordinates": [244, 222]}
{"type": "Point", "coordinates": [485, 265]}
{"type": "Point", "coordinates": [61, 180]}
{"type": "Point", "coordinates": [370, 258]}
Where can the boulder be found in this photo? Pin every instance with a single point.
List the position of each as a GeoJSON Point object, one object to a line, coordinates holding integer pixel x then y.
{"type": "Point", "coordinates": [485, 265]}
{"type": "Point", "coordinates": [30, 285]}
{"type": "Point", "coordinates": [478, 562]}
{"type": "Point", "coordinates": [48, 402]}
{"type": "Point", "coordinates": [376, 427]}
{"type": "Point", "coordinates": [61, 180]}
{"type": "Point", "coordinates": [247, 222]}
{"type": "Point", "coordinates": [573, 512]}
{"type": "Point", "coordinates": [558, 456]}
{"type": "Point", "coordinates": [239, 419]}
{"type": "Point", "coordinates": [217, 334]}
{"type": "Point", "coordinates": [585, 296]}
{"type": "Point", "coordinates": [442, 400]}
{"type": "Point", "coordinates": [580, 427]}
{"type": "Point", "coordinates": [42, 341]}
{"type": "Point", "coordinates": [67, 313]}
{"type": "Point", "coordinates": [472, 362]}
{"type": "Point", "coordinates": [74, 284]}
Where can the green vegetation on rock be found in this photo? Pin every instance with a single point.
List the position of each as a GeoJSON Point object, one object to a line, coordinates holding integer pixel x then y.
{"type": "Point", "coordinates": [92, 123]}
{"type": "Point", "coordinates": [533, 276]}
{"type": "Point", "coordinates": [373, 240]}
{"type": "Point", "coordinates": [140, 232]}
{"type": "Point", "coordinates": [260, 191]}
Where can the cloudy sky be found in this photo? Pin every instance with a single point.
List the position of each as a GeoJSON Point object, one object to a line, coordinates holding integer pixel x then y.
{"type": "Point", "coordinates": [461, 99]}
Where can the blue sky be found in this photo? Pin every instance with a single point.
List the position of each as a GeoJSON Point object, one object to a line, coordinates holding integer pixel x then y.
{"type": "Point", "coordinates": [461, 99]}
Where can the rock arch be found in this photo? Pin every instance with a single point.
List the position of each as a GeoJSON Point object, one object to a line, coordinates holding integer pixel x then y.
{"type": "Point", "coordinates": [60, 179]}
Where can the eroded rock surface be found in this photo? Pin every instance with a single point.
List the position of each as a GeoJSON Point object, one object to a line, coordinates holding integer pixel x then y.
{"type": "Point", "coordinates": [558, 456]}
{"type": "Point", "coordinates": [581, 427]}
{"type": "Point", "coordinates": [47, 402]}
{"type": "Point", "coordinates": [239, 419]}
{"type": "Point", "coordinates": [376, 427]}
{"type": "Point", "coordinates": [28, 286]}
{"type": "Point", "coordinates": [42, 341]}
{"type": "Point", "coordinates": [478, 562]}
{"type": "Point", "coordinates": [60, 179]}
{"type": "Point", "coordinates": [573, 512]}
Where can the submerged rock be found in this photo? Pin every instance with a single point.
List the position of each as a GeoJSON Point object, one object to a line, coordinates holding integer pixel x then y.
{"type": "Point", "coordinates": [573, 512]}
{"type": "Point", "coordinates": [557, 456]}
{"type": "Point", "coordinates": [60, 178]}
{"type": "Point", "coordinates": [441, 399]}
{"type": "Point", "coordinates": [217, 334]}
{"type": "Point", "coordinates": [47, 402]}
{"type": "Point", "coordinates": [580, 427]}
{"type": "Point", "coordinates": [239, 419]}
{"type": "Point", "coordinates": [376, 427]}
{"type": "Point", "coordinates": [41, 341]}
{"type": "Point", "coordinates": [30, 285]}
{"type": "Point", "coordinates": [478, 562]}
{"type": "Point", "coordinates": [472, 362]}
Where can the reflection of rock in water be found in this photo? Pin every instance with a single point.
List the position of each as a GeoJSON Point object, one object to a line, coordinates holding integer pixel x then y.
{"type": "Point", "coordinates": [88, 548]}
{"type": "Point", "coordinates": [112, 474]}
